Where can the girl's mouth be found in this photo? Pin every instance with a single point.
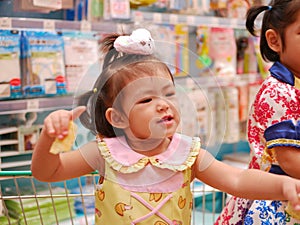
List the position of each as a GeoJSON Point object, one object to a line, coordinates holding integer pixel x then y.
{"type": "Point", "coordinates": [166, 119]}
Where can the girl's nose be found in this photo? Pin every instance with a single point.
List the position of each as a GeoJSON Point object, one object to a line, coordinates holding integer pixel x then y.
{"type": "Point", "coordinates": [162, 105]}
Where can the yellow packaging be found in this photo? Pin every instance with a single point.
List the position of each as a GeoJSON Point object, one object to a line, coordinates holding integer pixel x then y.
{"type": "Point", "coordinates": [293, 213]}
{"type": "Point", "coordinates": [65, 144]}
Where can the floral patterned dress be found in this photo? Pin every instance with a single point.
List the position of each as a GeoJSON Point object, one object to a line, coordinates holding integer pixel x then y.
{"type": "Point", "coordinates": [276, 104]}
{"type": "Point", "coordinates": [136, 189]}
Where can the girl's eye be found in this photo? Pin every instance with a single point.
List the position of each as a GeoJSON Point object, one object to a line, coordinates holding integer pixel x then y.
{"type": "Point", "coordinates": [146, 100]}
{"type": "Point", "coordinates": [170, 94]}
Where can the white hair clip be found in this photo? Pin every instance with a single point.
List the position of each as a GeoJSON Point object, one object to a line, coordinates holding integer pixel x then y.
{"type": "Point", "coordinates": [139, 42]}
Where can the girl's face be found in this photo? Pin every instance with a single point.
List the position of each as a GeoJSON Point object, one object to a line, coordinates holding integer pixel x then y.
{"type": "Point", "coordinates": [290, 56]}
{"type": "Point", "coordinates": [150, 107]}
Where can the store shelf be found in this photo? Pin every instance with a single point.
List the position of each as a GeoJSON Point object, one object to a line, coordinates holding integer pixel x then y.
{"type": "Point", "coordinates": [221, 81]}
{"type": "Point", "coordinates": [8, 130]}
{"type": "Point", "coordinates": [9, 153]}
{"type": "Point", "coordinates": [30, 23]}
{"type": "Point", "coordinates": [13, 153]}
{"type": "Point", "coordinates": [8, 142]}
{"type": "Point", "coordinates": [12, 146]}
{"type": "Point", "coordinates": [15, 164]}
{"type": "Point", "coordinates": [191, 20]}
{"type": "Point", "coordinates": [35, 104]}
{"type": "Point", "coordinates": [112, 26]}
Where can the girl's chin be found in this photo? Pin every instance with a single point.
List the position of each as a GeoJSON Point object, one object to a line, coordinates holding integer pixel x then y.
{"type": "Point", "coordinates": [154, 137]}
{"type": "Point", "coordinates": [154, 134]}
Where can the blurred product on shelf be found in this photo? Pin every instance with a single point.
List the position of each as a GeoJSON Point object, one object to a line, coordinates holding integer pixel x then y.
{"type": "Point", "coordinates": [9, 62]}
{"type": "Point", "coordinates": [216, 48]}
{"type": "Point", "coordinates": [204, 62]}
{"type": "Point", "coordinates": [230, 8]}
{"type": "Point", "coordinates": [61, 87]}
{"type": "Point", "coordinates": [139, 3]}
{"type": "Point", "coordinates": [15, 88]}
{"type": "Point", "coordinates": [81, 51]}
{"type": "Point", "coordinates": [42, 6]}
{"type": "Point", "coordinates": [46, 53]}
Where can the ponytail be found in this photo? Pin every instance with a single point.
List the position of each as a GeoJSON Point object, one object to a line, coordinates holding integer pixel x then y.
{"type": "Point", "coordinates": [252, 14]}
{"type": "Point", "coordinates": [87, 118]}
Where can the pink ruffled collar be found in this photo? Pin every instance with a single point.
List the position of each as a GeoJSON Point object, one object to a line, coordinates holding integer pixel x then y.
{"type": "Point", "coordinates": [180, 153]}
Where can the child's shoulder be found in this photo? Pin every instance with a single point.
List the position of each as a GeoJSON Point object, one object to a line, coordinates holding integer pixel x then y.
{"type": "Point", "coordinates": [186, 141]}
{"type": "Point", "coordinates": [272, 85]}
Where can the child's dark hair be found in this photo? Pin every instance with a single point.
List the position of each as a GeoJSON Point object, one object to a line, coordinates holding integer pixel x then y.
{"type": "Point", "coordinates": [117, 71]}
{"type": "Point", "coordinates": [278, 16]}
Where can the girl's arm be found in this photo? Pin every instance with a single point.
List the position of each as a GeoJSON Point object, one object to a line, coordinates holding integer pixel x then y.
{"type": "Point", "coordinates": [250, 183]}
{"type": "Point", "coordinates": [48, 167]}
{"type": "Point", "coordinates": [288, 159]}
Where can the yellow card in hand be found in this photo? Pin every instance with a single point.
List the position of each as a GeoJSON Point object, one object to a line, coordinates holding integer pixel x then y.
{"type": "Point", "coordinates": [293, 213]}
{"type": "Point", "coordinates": [64, 145]}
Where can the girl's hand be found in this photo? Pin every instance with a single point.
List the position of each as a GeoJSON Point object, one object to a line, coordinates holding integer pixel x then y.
{"type": "Point", "coordinates": [291, 191]}
{"type": "Point", "coordinates": [56, 123]}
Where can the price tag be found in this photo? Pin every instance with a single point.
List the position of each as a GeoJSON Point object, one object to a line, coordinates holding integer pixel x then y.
{"type": "Point", "coordinates": [85, 25]}
{"type": "Point", "coordinates": [234, 22]}
{"type": "Point", "coordinates": [173, 19]}
{"type": "Point", "coordinates": [49, 25]}
{"type": "Point", "coordinates": [138, 17]}
{"type": "Point", "coordinates": [32, 104]}
{"type": "Point", "coordinates": [120, 9]}
{"type": "Point", "coordinates": [215, 22]}
{"type": "Point", "coordinates": [190, 20]}
{"type": "Point", "coordinates": [157, 18]}
{"type": "Point", "coordinates": [5, 22]}
{"type": "Point", "coordinates": [57, 4]}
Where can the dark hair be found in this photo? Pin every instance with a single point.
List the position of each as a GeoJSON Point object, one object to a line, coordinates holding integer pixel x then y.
{"type": "Point", "coordinates": [117, 71]}
{"type": "Point", "coordinates": [278, 16]}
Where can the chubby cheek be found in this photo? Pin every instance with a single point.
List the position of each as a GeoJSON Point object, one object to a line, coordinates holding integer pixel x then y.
{"type": "Point", "coordinates": [139, 124]}
{"type": "Point", "coordinates": [144, 130]}
{"type": "Point", "coordinates": [144, 127]}
{"type": "Point", "coordinates": [176, 111]}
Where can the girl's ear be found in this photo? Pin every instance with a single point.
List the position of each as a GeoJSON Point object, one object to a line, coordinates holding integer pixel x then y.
{"type": "Point", "coordinates": [115, 118]}
{"type": "Point", "coordinates": [273, 40]}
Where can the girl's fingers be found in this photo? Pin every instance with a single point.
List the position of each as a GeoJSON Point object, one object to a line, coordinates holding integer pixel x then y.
{"type": "Point", "coordinates": [48, 126]}
{"type": "Point", "coordinates": [62, 122]}
{"type": "Point", "coordinates": [63, 125]}
{"type": "Point", "coordinates": [292, 194]}
{"type": "Point", "coordinates": [77, 112]}
{"type": "Point", "coordinates": [57, 123]}
{"type": "Point", "coordinates": [297, 198]}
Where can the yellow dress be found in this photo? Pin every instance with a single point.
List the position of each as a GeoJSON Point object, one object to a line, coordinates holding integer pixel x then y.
{"type": "Point", "coordinates": [121, 204]}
